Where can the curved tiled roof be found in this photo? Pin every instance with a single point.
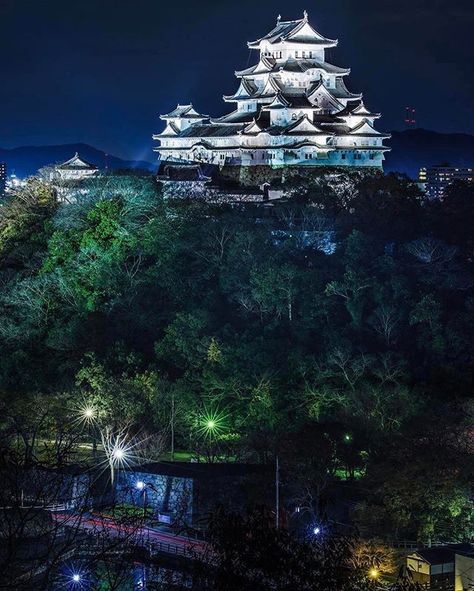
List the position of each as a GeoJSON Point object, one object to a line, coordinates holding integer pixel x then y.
{"type": "Point", "coordinates": [76, 163]}
{"type": "Point", "coordinates": [187, 111]}
{"type": "Point", "coordinates": [285, 30]}
{"type": "Point", "coordinates": [234, 118]}
{"type": "Point", "coordinates": [295, 65]}
{"type": "Point", "coordinates": [210, 130]}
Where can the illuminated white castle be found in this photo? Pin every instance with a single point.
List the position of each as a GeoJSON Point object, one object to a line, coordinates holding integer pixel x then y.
{"type": "Point", "coordinates": [291, 108]}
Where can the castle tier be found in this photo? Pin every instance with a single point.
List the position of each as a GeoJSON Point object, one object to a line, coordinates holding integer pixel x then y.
{"type": "Point", "coordinates": [291, 108]}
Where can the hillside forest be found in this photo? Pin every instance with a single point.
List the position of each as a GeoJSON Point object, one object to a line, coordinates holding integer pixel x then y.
{"type": "Point", "coordinates": [333, 330]}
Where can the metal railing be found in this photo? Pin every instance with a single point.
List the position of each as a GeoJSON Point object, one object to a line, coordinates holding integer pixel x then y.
{"type": "Point", "coordinates": [167, 548]}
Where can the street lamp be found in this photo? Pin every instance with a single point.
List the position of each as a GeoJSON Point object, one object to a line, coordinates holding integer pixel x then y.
{"type": "Point", "coordinates": [316, 531]}
{"type": "Point", "coordinates": [87, 416]}
{"type": "Point", "coordinates": [142, 487]}
{"type": "Point", "coordinates": [374, 573]}
{"type": "Point", "coordinates": [212, 423]}
{"type": "Point", "coordinates": [86, 413]}
{"type": "Point", "coordinates": [118, 453]}
{"type": "Point", "coordinates": [118, 450]}
{"type": "Point", "coordinates": [89, 413]}
{"type": "Point", "coordinates": [117, 457]}
{"type": "Point", "coordinates": [76, 578]}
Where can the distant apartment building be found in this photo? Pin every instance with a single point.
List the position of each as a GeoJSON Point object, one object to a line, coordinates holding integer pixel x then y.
{"type": "Point", "coordinates": [3, 178]}
{"type": "Point", "coordinates": [435, 179]}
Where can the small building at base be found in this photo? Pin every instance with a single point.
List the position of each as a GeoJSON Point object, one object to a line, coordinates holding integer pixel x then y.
{"type": "Point", "coordinates": [464, 571]}
{"type": "Point", "coordinates": [182, 494]}
{"type": "Point", "coordinates": [444, 568]}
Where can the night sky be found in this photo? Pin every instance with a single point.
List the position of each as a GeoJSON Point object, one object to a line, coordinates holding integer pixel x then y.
{"type": "Point", "coordinates": [100, 72]}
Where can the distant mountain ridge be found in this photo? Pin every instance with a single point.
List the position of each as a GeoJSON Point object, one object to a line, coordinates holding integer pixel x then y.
{"type": "Point", "coordinates": [411, 149]}
{"type": "Point", "coordinates": [414, 148]}
{"type": "Point", "coordinates": [26, 160]}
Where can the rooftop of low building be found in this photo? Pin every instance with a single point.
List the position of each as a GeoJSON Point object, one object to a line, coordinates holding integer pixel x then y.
{"type": "Point", "coordinates": [199, 469]}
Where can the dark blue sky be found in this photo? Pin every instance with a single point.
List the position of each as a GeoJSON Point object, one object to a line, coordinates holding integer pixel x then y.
{"type": "Point", "coordinates": [100, 71]}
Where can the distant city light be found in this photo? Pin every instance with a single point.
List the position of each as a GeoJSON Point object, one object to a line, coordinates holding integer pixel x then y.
{"type": "Point", "coordinates": [347, 437]}
{"type": "Point", "coordinates": [316, 531]}
{"type": "Point", "coordinates": [140, 485]}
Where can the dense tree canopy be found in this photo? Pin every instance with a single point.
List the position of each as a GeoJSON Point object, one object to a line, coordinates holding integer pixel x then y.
{"type": "Point", "coordinates": [343, 321]}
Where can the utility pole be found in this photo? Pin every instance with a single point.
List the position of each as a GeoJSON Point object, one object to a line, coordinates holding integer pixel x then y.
{"type": "Point", "coordinates": [172, 426]}
{"type": "Point", "coordinates": [277, 492]}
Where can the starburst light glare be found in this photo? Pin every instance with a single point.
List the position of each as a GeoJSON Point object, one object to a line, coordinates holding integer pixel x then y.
{"type": "Point", "coordinates": [374, 573]}
{"type": "Point", "coordinates": [120, 449]}
{"type": "Point", "coordinates": [85, 413]}
{"type": "Point", "coordinates": [212, 423]}
{"type": "Point", "coordinates": [118, 454]}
